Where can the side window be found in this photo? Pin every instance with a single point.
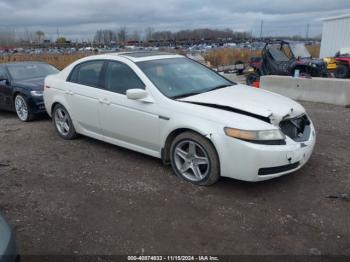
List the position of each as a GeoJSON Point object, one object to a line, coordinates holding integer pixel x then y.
{"type": "Point", "coordinates": [120, 77]}
{"type": "Point", "coordinates": [87, 74]}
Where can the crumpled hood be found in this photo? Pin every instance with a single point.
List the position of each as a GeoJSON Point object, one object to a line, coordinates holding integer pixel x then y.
{"type": "Point", "coordinates": [250, 100]}
{"type": "Point", "coordinates": [36, 84]}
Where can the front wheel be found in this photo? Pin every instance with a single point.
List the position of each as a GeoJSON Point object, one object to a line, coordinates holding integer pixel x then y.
{"type": "Point", "coordinates": [195, 159]}
{"type": "Point", "coordinates": [22, 108]}
{"type": "Point", "coordinates": [63, 123]}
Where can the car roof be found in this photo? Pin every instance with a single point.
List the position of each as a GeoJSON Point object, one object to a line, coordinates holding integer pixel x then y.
{"type": "Point", "coordinates": [144, 54]}
{"type": "Point", "coordinates": [140, 56]}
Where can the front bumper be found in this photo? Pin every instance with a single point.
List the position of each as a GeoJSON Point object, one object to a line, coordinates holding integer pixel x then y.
{"type": "Point", "coordinates": [37, 105]}
{"type": "Point", "coordinates": [254, 162]}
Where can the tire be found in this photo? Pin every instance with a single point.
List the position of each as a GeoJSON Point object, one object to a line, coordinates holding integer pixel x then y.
{"type": "Point", "coordinates": [22, 108]}
{"type": "Point", "coordinates": [251, 78]}
{"type": "Point", "coordinates": [342, 71]}
{"type": "Point", "coordinates": [63, 123]}
{"type": "Point", "coordinates": [197, 158]}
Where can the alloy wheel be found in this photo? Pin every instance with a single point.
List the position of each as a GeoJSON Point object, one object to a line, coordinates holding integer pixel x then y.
{"type": "Point", "coordinates": [21, 108]}
{"type": "Point", "coordinates": [62, 121]}
{"type": "Point", "coordinates": [191, 160]}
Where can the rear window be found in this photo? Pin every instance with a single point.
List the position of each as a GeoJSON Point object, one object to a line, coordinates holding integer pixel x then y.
{"type": "Point", "coordinates": [87, 73]}
{"type": "Point", "coordinates": [29, 71]}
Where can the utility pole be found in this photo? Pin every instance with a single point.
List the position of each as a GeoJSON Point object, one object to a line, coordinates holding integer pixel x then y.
{"type": "Point", "coordinates": [307, 31]}
{"type": "Point", "coordinates": [58, 32]}
{"type": "Point", "coordinates": [261, 29]}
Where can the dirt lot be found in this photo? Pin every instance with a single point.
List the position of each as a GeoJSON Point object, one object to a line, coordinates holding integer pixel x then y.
{"type": "Point", "coordinates": [88, 197]}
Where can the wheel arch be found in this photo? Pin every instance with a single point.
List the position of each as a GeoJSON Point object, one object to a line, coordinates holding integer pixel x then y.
{"type": "Point", "coordinates": [59, 102]}
{"type": "Point", "coordinates": [17, 91]}
{"type": "Point", "coordinates": [165, 151]}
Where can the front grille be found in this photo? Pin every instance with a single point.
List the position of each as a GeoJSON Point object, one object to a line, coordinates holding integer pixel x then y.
{"type": "Point", "coordinates": [298, 129]}
{"type": "Point", "coordinates": [279, 169]}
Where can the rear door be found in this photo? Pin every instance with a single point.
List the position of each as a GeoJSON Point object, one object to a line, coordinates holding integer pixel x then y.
{"type": "Point", "coordinates": [82, 91]}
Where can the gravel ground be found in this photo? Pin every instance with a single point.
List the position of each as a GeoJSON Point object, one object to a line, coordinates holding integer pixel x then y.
{"type": "Point", "coordinates": [89, 197]}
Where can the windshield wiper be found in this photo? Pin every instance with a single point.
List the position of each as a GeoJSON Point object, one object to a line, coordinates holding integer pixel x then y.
{"type": "Point", "coordinates": [218, 87]}
{"type": "Point", "coordinates": [197, 93]}
{"type": "Point", "coordinates": [186, 95]}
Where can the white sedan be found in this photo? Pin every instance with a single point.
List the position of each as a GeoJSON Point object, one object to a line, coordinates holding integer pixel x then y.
{"type": "Point", "coordinates": [176, 109]}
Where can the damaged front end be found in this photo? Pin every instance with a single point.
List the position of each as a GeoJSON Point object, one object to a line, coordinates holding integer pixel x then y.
{"type": "Point", "coordinates": [298, 129]}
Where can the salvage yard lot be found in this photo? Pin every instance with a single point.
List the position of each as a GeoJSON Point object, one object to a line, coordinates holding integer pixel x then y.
{"type": "Point", "coordinates": [89, 197]}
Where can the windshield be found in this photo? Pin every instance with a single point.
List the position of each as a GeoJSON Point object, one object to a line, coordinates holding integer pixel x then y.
{"type": "Point", "coordinates": [299, 50]}
{"type": "Point", "coordinates": [181, 77]}
{"type": "Point", "coordinates": [277, 54]}
{"type": "Point", "coordinates": [28, 71]}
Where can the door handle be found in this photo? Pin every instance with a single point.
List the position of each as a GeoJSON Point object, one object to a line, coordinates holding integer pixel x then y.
{"type": "Point", "coordinates": [104, 101]}
{"type": "Point", "coordinates": [68, 92]}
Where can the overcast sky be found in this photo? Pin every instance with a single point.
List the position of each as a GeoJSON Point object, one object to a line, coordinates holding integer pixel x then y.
{"type": "Point", "coordinates": [79, 19]}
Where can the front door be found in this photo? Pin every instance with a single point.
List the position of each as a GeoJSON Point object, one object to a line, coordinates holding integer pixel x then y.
{"type": "Point", "coordinates": [129, 123]}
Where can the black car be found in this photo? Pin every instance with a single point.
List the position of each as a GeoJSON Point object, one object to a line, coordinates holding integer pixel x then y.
{"type": "Point", "coordinates": [22, 86]}
{"type": "Point", "coordinates": [8, 249]}
{"type": "Point", "coordinates": [284, 58]}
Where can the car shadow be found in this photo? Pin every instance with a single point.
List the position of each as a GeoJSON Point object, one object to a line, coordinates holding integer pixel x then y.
{"type": "Point", "coordinates": [224, 183]}
{"type": "Point", "coordinates": [7, 114]}
{"type": "Point", "coordinates": [12, 115]}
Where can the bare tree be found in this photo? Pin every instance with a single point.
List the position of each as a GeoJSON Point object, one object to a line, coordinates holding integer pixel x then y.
{"type": "Point", "coordinates": [149, 31]}
{"type": "Point", "coordinates": [122, 35]}
{"type": "Point", "coordinates": [40, 35]}
{"type": "Point", "coordinates": [105, 37]}
{"type": "Point", "coordinates": [135, 36]}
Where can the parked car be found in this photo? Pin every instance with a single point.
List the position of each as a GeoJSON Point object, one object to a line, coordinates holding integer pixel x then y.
{"type": "Point", "coordinates": [22, 86]}
{"type": "Point", "coordinates": [176, 109]}
{"type": "Point", "coordinates": [8, 249]}
{"type": "Point", "coordinates": [284, 58]}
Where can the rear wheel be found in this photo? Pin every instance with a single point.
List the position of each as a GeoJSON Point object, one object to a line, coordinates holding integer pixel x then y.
{"type": "Point", "coordinates": [63, 123]}
{"type": "Point", "coordinates": [342, 71]}
{"type": "Point", "coordinates": [194, 159]}
{"type": "Point", "coordinates": [22, 108]}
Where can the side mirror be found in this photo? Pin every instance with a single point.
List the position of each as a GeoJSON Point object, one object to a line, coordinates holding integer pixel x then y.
{"type": "Point", "coordinates": [136, 94]}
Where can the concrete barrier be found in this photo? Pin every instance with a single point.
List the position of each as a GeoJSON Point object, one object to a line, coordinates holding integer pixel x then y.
{"type": "Point", "coordinates": [324, 90]}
